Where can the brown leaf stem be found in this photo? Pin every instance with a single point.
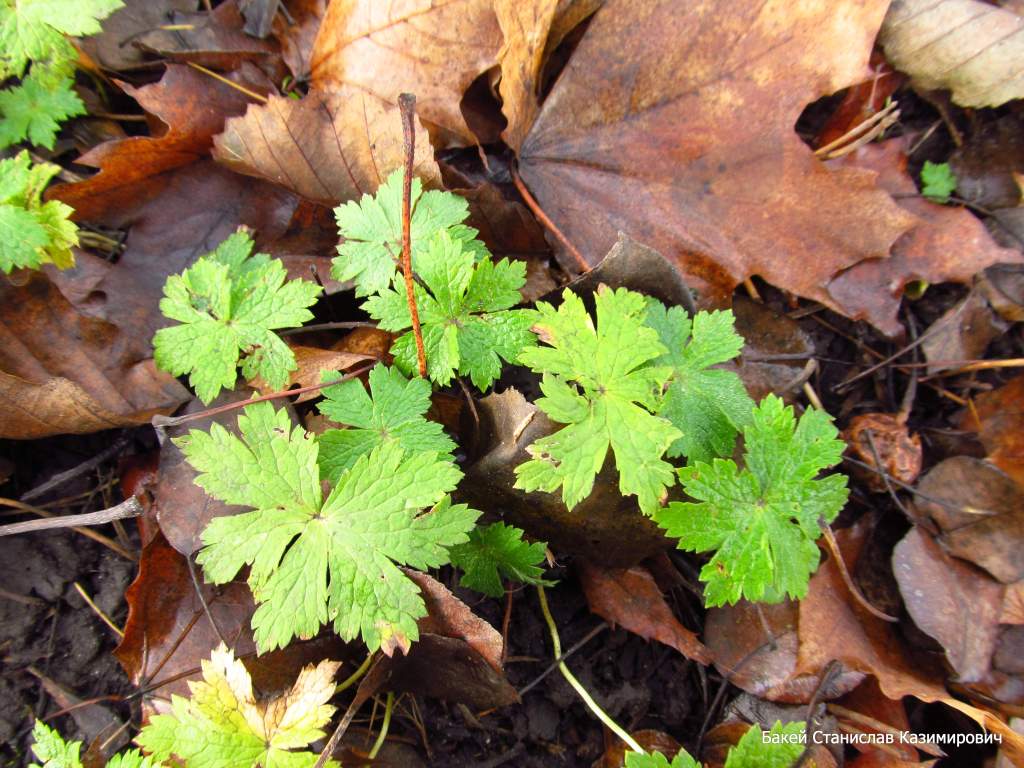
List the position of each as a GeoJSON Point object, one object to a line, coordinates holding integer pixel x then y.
{"type": "Point", "coordinates": [173, 421]}
{"type": "Point", "coordinates": [407, 104]}
{"type": "Point", "coordinates": [534, 206]}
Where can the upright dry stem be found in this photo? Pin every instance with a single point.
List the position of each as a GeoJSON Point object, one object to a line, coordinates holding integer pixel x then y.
{"type": "Point", "coordinates": [407, 104]}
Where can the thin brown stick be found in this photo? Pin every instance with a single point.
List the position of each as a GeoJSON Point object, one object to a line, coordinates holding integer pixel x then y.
{"type": "Point", "coordinates": [407, 105]}
{"type": "Point", "coordinates": [72, 521]}
{"type": "Point", "coordinates": [173, 421]}
{"type": "Point", "coordinates": [532, 204]}
{"type": "Point", "coordinates": [96, 609]}
{"type": "Point", "coordinates": [833, 547]}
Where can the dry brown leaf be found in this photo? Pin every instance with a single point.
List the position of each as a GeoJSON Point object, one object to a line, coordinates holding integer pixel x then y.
{"type": "Point", "coordinates": [311, 363]}
{"type": "Point", "coordinates": [382, 48]}
{"type": "Point", "coordinates": [64, 372]}
{"type": "Point", "coordinates": [168, 633]}
{"type": "Point", "coordinates": [112, 48]}
{"type": "Point", "coordinates": [980, 512]}
{"type": "Point", "coordinates": [173, 218]}
{"type": "Point", "coordinates": [963, 332]}
{"type": "Point", "coordinates": [1013, 604]}
{"type": "Point", "coordinates": [191, 105]}
{"type": "Point", "coordinates": [458, 655]}
{"type": "Point", "coordinates": [886, 436]}
{"type": "Point", "coordinates": [763, 665]}
{"type": "Point", "coordinates": [211, 38]}
{"type": "Point", "coordinates": [297, 35]}
{"type": "Point", "coordinates": [673, 122]}
{"type": "Point", "coordinates": [998, 417]}
{"type": "Point", "coordinates": [631, 599]}
{"type": "Point", "coordinates": [833, 627]}
{"type": "Point", "coordinates": [525, 26]}
{"type": "Point", "coordinates": [949, 244]}
{"type": "Point", "coordinates": [969, 47]}
{"type": "Point", "coordinates": [183, 509]}
{"type": "Point", "coordinates": [334, 144]}
{"type": "Point", "coordinates": [951, 601]}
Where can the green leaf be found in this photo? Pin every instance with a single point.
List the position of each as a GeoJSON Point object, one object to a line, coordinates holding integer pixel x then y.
{"type": "Point", "coordinates": [34, 30]}
{"type": "Point", "coordinates": [763, 520]}
{"type": "Point", "coordinates": [228, 303]}
{"type": "Point", "coordinates": [133, 758]}
{"type": "Point", "coordinates": [32, 233]}
{"type": "Point", "coordinates": [938, 181]}
{"type": "Point", "coordinates": [601, 383]}
{"type": "Point", "coordinates": [314, 561]}
{"type": "Point", "coordinates": [223, 725]}
{"type": "Point", "coordinates": [372, 229]}
{"type": "Point", "coordinates": [494, 551]}
{"type": "Point", "coordinates": [468, 326]}
{"type": "Point", "coordinates": [52, 750]}
{"type": "Point", "coordinates": [706, 405]}
{"type": "Point", "coordinates": [658, 760]}
{"type": "Point", "coordinates": [779, 748]}
{"type": "Point", "coordinates": [34, 110]}
{"type": "Point", "coordinates": [393, 411]}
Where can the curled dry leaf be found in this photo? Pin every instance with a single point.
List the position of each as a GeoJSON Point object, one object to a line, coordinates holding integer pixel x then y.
{"type": "Point", "coordinates": [832, 626]}
{"type": "Point", "coordinates": [980, 512]}
{"type": "Point", "coordinates": [631, 599]}
{"type": "Point", "coordinates": [650, 740]}
{"type": "Point", "coordinates": [998, 417]}
{"type": "Point", "coordinates": [191, 105]}
{"type": "Point", "coordinates": [885, 435]}
{"type": "Point", "coordinates": [62, 371]}
{"type": "Point", "coordinates": [458, 655]}
{"type": "Point", "coordinates": [951, 601]}
{"type": "Point", "coordinates": [525, 26]}
{"type": "Point", "coordinates": [432, 50]}
{"type": "Point", "coordinates": [648, 131]}
{"type": "Point", "coordinates": [969, 47]}
{"type": "Point", "coordinates": [949, 244]}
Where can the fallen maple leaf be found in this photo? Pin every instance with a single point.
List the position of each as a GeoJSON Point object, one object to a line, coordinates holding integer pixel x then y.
{"type": "Point", "coordinates": [334, 144]}
{"type": "Point", "coordinates": [433, 50]}
{"type": "Point", "coordinates": [673, 122]}
{"type": "Point", "coordinates": [949, 244]}
{"type": "Point", "coordinates": [191, 105]}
